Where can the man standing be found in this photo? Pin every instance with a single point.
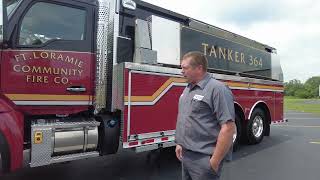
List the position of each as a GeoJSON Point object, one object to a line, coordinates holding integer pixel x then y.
{"type": "Point", "coordinates": [205, 124]}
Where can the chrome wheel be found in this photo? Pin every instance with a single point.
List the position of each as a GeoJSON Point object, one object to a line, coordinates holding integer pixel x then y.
{"type": "Point", "coordinates": [257, 126]}
{"type": "Point", "coordinates": [234, 137]}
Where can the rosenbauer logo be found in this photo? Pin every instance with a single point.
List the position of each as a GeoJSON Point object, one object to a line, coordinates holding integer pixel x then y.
{"type": "Point", "coordinates": [47, 67]}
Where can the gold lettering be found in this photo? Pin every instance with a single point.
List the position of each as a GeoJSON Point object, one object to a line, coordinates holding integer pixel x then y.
{"type": "Point", "coordinates": [23, 57]}
{"type": "Point", "coordinates": [76, 61]}
{"type": "Point", "coordinates": [55, 71]}
{"type": "Point", "coordinates": [73, 72]}
{"type": "Point", "coordinates": [44, 55]}
{"type": "Point", "coordinates": [223, 53]}
{"type": "Point", "coordinates": [80, 64]}
{"type": "Point", "coordinates": [59, 80]}
{"type": "Point", "coordinates": [230, 55]}
{"type": "Point", "coordinates": [37, 79]}
{"type": "Point", "coordinates": [69, 60]}
{"type": "Point", "coordinates": [36, 69]}
{"type": "Point", "coordinates": [29, 78]}
{"type": "Point", "coordinates": [60, 57]}
{"type": "Point", "coordinates": [242, 58]}
{"type": "Point", "coordinates": [80, 72]}
{"type": "Point", "coordinates": [53, 55]}
{"type": "Point", "coordinates": [26, 69]}
{"type": "Point", "coordinates": [45, 79]}
{"type": "Point", "coordinates": [16, 57]}
{"type": "Point", "coordinates": [46, 70]}
{"type": "Point", "coordinates": [16, 68]}
{"type": "Point", "coordinates": [64, 71]}
{"type": "Point", "coordinates": [35, 55]}
{"type": "Point", "coordinates": [213, 50]}
{"type": "Point", "coordinates": [205, 47]}
{"type": "Point", "coordinates": [64, 80]}
{"type": "Point", "coordinates": [236, 56]}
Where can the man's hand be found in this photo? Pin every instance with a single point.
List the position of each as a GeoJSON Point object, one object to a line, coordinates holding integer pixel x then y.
{"type": "Point", "coordinates": [214, 164]}
{"type": "Point", "coordinates": [179, 152]}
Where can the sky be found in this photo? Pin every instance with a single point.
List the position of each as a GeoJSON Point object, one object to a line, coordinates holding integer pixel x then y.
{"type": "Point", "coordinates": [290, 26]}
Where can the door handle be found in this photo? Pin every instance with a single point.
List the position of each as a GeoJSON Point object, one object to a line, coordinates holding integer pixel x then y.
{"type": "Point", "coordinates": [76, 89]}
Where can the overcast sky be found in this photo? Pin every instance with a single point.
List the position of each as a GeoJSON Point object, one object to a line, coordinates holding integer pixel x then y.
{"type": "Point", "coordinates": [291, 26]}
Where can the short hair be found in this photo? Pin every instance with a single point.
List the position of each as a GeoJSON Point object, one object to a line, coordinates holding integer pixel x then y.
{"type": "Point", "coordinates": [197, 59]}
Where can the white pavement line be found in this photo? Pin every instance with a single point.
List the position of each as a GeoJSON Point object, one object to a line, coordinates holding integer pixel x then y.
{"type": "Point", "coordinates": [297, 126]}
{"type": "Point", "coordinates": [315, 142]}
{"type": "Point", "coordinates": [302, 118]}
{"type": "Point", "coordinates": [297, 113]}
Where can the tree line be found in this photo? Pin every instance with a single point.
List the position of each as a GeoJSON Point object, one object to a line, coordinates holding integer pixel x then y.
{"type": "Point", "coordinates": [309, 89]}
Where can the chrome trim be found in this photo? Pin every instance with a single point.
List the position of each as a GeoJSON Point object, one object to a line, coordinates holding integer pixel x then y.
{"type": "Point", "coordinates": [155, 73]}
{"type": "Point", "coordinates": [129, 105]}
{"type": "Point", "coordinates": [64, 103]}
{"type": "Point", "coordinates": [276, 70]}
{"type": "Point", "coordinates": [102, 54]}
{"type": "Point", "coordinates": [118, 87]}
{"type": "Point", "coordinates": [122, 37]}
{"type": "Point", "coordinates": [229, 36]}
{"type": "Point", "coordinates": [152, 135]}
{"type": "Point", "coordinates": [257, 126]}
{"type": "Point", "coordinates": [72, 157]}
{"type": "Point", "coordinates": [154, 146]}
{"type": "Point", "coordinates": [255, 104]}
{"type": "Point", "coordinates": [116, 21]}
{"type": "Point", "coordinates": [76, 89]}
{"type": "Point", "coordinates": [26, 158]}
{"type": "Point", "coordinates": [129, 4]}
{"type": "Point", "coordinates": [144, 148]}
{"type": "Point", "coordinates": [62, 136]}
{"type": "Point", "coordinates": [177, 71]}
{"type": "Point", "coordinates": [168, 144]}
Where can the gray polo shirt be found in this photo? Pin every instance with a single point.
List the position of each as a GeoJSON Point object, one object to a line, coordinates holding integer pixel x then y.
{"type": "Point", "coordinates": [203, 108]}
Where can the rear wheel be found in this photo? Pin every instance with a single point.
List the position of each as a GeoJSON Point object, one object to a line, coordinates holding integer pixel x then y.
{"type": "Point", "coordinates": [256, 126]}
{"type": "Point", "coordinates": [237, 135]}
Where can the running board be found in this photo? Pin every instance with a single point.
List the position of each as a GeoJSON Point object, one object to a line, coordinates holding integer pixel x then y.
{"type": "Point", "coordinates": [65, 158]}
{"type": "Point", "coordinates": [154, 146]}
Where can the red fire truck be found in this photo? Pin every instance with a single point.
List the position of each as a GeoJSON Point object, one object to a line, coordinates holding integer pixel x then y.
{"type": "Point", "coordinates": [83, 78]}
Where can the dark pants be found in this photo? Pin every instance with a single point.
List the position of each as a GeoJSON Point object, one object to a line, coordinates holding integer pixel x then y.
{"type": "Point", "coordinates": [196, 166]}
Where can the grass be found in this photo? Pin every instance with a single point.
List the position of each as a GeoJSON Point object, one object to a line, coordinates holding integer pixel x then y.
{"type": "Point", "coordinates": [302, 105]}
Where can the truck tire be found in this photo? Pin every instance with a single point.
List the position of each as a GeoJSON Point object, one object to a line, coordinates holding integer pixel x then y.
{"type": "Point", "coordinates": [256, 126]}
{"type": "Point", "coordinates": [4, 156]}
{"type": "Point", "coordinates": [237, 135]}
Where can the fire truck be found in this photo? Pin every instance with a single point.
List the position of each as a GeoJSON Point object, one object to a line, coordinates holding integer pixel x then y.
{"type": "Point", "coordinates": [83, 78]}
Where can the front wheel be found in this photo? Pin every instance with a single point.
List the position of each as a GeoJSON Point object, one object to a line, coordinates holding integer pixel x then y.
{"type": "Point", "coordinates": [256, 126]}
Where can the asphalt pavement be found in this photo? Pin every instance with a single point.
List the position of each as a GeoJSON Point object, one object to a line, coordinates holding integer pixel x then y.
{"type": "Point", "coordinates": [291, 152]}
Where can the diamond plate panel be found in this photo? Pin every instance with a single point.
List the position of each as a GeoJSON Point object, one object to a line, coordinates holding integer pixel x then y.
{"type": "Point", "coordinates": [41, 153]}
{"type": "Point", "coordinates": [102, 53]}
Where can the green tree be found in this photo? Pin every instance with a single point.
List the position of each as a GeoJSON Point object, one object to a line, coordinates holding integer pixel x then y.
{"type": "Point", "coordinates": [312, 86]}
{"type": "Point", "coordinates": [292, 86]}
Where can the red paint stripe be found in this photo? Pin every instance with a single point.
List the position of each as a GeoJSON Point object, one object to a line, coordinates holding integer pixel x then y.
{"type": "Point", "coordinates": [147, 141]}
{"type": "Point", "coordinates": [165, 139]}
{"type": "Point", "coordinates": [134, 143]}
